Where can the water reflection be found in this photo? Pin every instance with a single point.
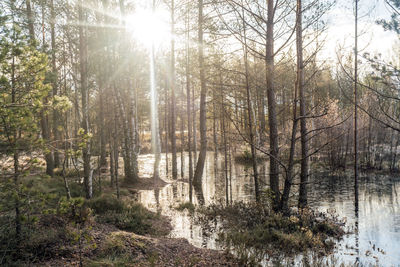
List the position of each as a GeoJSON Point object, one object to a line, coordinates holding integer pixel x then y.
{"type": "Point", "coordinates": [375, 222]}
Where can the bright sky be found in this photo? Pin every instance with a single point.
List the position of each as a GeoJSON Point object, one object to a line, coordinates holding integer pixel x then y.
{"type": "Point", "coordinates": [372, 37]}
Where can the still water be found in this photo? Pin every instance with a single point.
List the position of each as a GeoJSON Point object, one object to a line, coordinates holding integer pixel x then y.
{"type": "Point", "coordinates": [375, 226]}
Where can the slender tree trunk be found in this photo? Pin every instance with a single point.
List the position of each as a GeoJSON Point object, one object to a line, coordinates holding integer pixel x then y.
{"type": "Point", "coordinates": [272, 113]}
{"type": "Point", "coordinates": [56, 119]}
{"type": "Point", "coordinates": [166, 129]}
{"type": "Point", "coordinates": [394, 158]}
{"type": "Point", "coordinates": [116, 167]}
{"type": "Point", "coordinates": [215, 139]}
{"type": "Point", "coordinates": [17, 202]}
{"type": "Point", "coordinates": [85, 98]}
{"type": "Point", "coordinates": [173, 100]}
{"type": "Point", "coordinates": [289, 173]}
{"type": "Point", "coordinates": [223, 128]}
{"type": "Point", "coordinates": [304, 171]}
{"type": "Point", "coordinates": [155, 123]}
{"type": "Point", "coordinates": [203, 93]}
{"type": "Point", "coordinates": [67, 190]}
{"type": "Point", "coordinates": [112, 172]}
{"type": "Point", "coordinates": [249, 113]}
{"type": "Point", "coordinates": [15, 152]}
{"type": "Point", "coordinates": [182, 139]}
{"type": "Point", "coordinates": [261, 116]}
{"type": "Point", "coordinates": [391, 149]}
{"type": "Point", "coordinates": [31, 27]}
{"type": "Point", "coordinates": [369, 143]}
{"type": "Point", "coordinates": [189, 109]}
{"type": "Point", "coordinates": [44, 124]}
{"type": "Point", "coordinates": [134, 136]}
{"type": "Point", "coordinates": [194, 111]}
{"type": "Point", "coordinates": [116, 153]}
{"type": "Point", "coordinates": [355, 105]}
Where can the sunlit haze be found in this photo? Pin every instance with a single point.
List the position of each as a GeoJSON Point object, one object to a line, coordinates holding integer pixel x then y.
{"type": "Point", "coordinates": [148, 26]}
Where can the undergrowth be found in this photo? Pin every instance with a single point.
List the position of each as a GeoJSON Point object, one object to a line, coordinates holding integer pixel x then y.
{"type": "Point", "coordinates": [54, 227]}
{"type": "Point", "coordinates": [186, 206]}
{"type": "Point", "coordinates": [254, 231]}
{"type": "Point", "coordinates": [128, 216]}
{"type": "Point", "coordinates": [246, 158]}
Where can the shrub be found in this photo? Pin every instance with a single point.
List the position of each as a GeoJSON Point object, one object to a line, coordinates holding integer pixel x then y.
{"type": "Point", "coordinates": [104, 204]}
{"type": "Point", "coordinates": [254, 230]}
{"type": "Point", "coordinates": [186, 206]}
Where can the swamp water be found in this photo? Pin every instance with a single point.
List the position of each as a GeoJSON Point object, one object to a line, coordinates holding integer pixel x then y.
{"type": "Point", "coordinates": [375, 226]}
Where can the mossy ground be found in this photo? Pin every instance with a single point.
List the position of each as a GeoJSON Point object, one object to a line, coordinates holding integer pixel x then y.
{"type": "Point", "coordinates": [254, 227]}
{"type": "Point", "coordinates": [103, 231]}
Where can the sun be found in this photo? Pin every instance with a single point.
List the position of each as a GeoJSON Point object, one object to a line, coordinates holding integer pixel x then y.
{"type": "Point", "coordinates": [149, 27]}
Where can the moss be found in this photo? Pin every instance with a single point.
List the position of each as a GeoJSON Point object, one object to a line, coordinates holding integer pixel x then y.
{"type": "Point", "coordinates": [132, 217]}
{"type": "Point", "coordinates": [104, 204]}
{"type": "Point", "coordinates": [251, 227]}
{"type": "Point", "coordinates": [118, 249]}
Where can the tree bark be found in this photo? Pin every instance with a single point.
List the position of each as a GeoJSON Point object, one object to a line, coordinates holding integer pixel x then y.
{"type": "Point", "coordinates": [44, 120]}
{"type": "Point", "coordinates": [203, 93]}
{"type": "Point", "coordinates": [56, 119]}
{"type": "Point", "coordinates": [355, 105]}
{"type": "Point", "coordinates": [189, 109]}
{"type": "Point", "coordinates": [303, 113]}
{"type": "Point", "coordinates": [272, 113]}
{"type": "Point", "coordinates": [85, 98]}
{"type": "Point", "coordinates": [173, 100]}
{"type": "Point", "coordinates": [249, 113]}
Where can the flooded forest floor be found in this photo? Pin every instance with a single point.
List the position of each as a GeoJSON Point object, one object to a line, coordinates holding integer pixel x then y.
{"type": "Point", "coordinates": [107, 231]}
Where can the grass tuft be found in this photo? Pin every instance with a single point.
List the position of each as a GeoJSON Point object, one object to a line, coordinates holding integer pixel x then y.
{"type": "Point", "coordinates": [254, 231]}
{"type": "Point", "coordinates": [186, 206]}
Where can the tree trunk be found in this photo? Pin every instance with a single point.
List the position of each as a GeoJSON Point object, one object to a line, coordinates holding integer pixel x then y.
{"type": "Point", "coordinates": [112, 172]}
{"type": "Point", "coordinates": [173, 100]}
{"type": "Point", "coordinates": [355, 105]}
{"type": "Point", "coordinates": [194, 111]}
{"type": "Point", "coordinates": [189, 109]}
{"type": "Point", "coordinates": [56, 118]}
{"type": "Point", "coordinates": [166, 129]}
{"type": "Point", "coordinates": [182, 139]}
{"type": "Point", "coordinates": [272, 113]}
{"type": "Point", "coordinates": [249, 113]}
{"type": "Point", "coordinates": [203, 93]}
{"type": "Point", "coordinates": [85, 98]}
{"type": "Point", "coordinates": [116, 154]}
{"type": "Point", "coordinates": [30, 18]}
{"type": "Point", "coordinates": [223, 128]}
{"type": "Point", "coordinates": [289, 172]}
{"type": "Point", "coordinates": [44, 124]}
{"type": "Point", "coordinates": [303, 113]}
{"type": "Point", "coordinates": [15, 154]}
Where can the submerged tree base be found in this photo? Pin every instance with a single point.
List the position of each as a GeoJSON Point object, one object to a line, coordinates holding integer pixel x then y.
{"type": "Point", "coordinates": [254, 232]}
